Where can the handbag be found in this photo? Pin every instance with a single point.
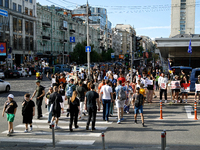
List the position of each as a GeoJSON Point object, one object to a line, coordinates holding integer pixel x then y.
{"type": "Point", "coordinates": [51, 107]}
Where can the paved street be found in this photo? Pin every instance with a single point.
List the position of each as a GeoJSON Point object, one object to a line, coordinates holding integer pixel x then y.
{"type": "Point", "coordinates": [182, 131]}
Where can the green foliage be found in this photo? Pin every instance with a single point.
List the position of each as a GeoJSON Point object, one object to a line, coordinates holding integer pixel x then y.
{"type": "Point", "coordinates": [106, 55]}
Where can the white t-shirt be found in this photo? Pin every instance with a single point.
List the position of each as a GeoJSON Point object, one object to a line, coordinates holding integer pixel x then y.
{"type": "Point", "coordinates": [106, 92]}
{"type": "Point", "coordinates": [115, 76]}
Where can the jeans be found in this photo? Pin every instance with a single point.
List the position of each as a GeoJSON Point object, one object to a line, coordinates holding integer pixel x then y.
{"type": "Point", "coordinates": [161, 93]}
{"type": "Point", "coordinates": [92, 114]}
{"type": "Point", "coordinates": [106, 108]}
{"type": "Point", "coordinates": [73, 117]}
{"type": "Point", "coordinates": [111, 108]}
{"type": "Point", "coordinates": [50, 113]}
{"type": "Point", "coordinates": [81, 108]}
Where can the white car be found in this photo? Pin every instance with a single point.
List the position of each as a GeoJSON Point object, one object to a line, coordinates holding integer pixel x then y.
{"type": "Point", "coordinates": [2, 75]}
{"type": "Point", "coordinates": [4, 86]}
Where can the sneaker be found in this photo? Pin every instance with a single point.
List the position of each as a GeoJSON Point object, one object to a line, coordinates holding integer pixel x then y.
{"type": "Point", "coordinates": [50, 127]}
{"type": "Point", "coordinates": [76, 126]}
{"type": "Point", "coordinates": [118, 122]}
{"type": "Point", "coordinates": [185, 101]}
{"type": "Point", "coordinates": [175, 101]}
{"type": "Point", "coordinates": [107, 121]}
{"type": "Point", "coordinates": [93, 129]}
{"type": "Point", "coordinates": [87, 127]}
{"type": "Point", "coordinates": [31, 128]}
{"type": "Point", "coordinates": [122, 119]}
{"type": "Point", "coordinates": [155, 96]}
{"type": "Point", "coordinates": [56, 127]}
{"type": "Point", "coordinates": [165, 101]}
{"type": "Point", "coordinates": [11, 131]}
{"type": "Point", "coordinates": [26, 131]}
{"type": "Point", "coordinates": [172, 101]}
{"type": "Point", "coordinates": [142, 124]}
{"type": "Point", "coordinates": [8, 134]}
{"type": "Point", "coordinates": [135, 121]}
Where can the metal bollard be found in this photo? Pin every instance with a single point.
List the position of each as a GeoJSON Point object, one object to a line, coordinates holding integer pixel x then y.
{"type": "Point", "coordinates": [103, 141]}
{"type": "Point", "coordinates": [162, 141]}
{"type": "Point", "coordinates": [165, 137]}
{"type": "Point", "coordinates": [161, 117]}
{"type": "Point", "coordinates": [53, 134]}
{"type": "Point", "coordinates": [195, 110]}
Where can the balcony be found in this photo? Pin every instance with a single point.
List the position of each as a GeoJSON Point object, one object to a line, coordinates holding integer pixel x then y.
{"type": "Point", "coordinates": [63, 41]}
{"type": "Point", "coordinates": [46, 24]}
{"type": "Point", "coordinates": [46, 37]}
{"type": "Point", "coordinates": [100, 39]}
{"type": "Point", "coordinates": [63, 28]}
{"type": "Point", "coordinates": [72, 31]}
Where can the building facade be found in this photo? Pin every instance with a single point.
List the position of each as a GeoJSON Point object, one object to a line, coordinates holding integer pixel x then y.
{"type": "Point", "coordinates": [58, 33]}
{"type": "Point", "coordinates": [19, 28]}
{"type": "Point", "coordinates": [116, 41]}
{"type": "Point", "coordinates": [182, 17]}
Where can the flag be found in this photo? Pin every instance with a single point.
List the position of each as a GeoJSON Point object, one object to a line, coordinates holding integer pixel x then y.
{"type": "Point", "coordinates": [170, 69]}
{"type": "Point", "coordinates": [190, 48]}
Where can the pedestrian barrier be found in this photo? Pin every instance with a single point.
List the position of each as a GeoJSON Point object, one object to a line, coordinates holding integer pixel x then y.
{"type": "Point", "coordinates": [163, 141]}
{"type": "Point", "coordinates": [53, 134]}
{"type": "Point", "coordinates": [195, 110]}
{"type": "Point", "coordinates": [161, 117]}
{"type": "Point", "coordinates": [165, 138]}
{"type": "Point", "coordinates": [103, 141]}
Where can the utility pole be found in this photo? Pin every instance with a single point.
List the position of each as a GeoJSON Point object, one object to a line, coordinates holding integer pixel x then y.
{"type": "Point", "coordinates": [132, 54]}
{"type": "Point", "coordinates": [88, 53]}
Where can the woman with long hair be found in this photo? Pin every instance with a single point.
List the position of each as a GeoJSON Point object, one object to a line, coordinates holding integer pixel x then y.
{"type": "Point", "coordinates": [74, 110]}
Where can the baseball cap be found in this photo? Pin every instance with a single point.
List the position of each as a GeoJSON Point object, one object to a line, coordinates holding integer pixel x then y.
{"type": "Point", "coordinates": [11, 96]}
{"type": "Point", "coordinates": [37, 81]}
{"type": "Point", "coordinates": [139, 75]}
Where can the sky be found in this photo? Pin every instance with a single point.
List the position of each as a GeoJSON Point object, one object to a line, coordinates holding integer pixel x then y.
{"type": "Point", "coordinates": [149, 17]}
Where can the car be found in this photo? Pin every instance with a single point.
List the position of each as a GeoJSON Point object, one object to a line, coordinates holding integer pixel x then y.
{"type": "Point", "coordinates": [2, 75]}
{"type": "Point", "coordinates": [47, 69]}
{"type": "Point", "coordinates": [4, 86]}
{"type": "Point", "coordinates": [12, 74]}
{"type": "Point", "coordinates": [193, 78]}
{"type": "Point", "coordinates": [177, 70]}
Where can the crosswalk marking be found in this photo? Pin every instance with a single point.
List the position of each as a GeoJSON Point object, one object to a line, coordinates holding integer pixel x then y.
{"type": "Point", "coordinates": [67, 122]}
{"type": "Point", "coordinates": [57, 133]}
{"type": "Point", "coordinates": [61, 127]}
{"type": "Point", "coordinates": [47, 141]}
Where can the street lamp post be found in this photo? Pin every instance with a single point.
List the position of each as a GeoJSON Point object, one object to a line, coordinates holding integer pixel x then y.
{"type": "Point", "coordinates": [88, 53]}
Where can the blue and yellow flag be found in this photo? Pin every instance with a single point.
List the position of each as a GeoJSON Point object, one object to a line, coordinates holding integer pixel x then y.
{"type": "Point", "coordinates": [170, 69]}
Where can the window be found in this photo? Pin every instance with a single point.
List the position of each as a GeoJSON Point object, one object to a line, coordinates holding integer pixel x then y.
{"type": "Point", "coordinates": [31, 43]}
{"type": "Point", "coordinates": [1, 2]}
{"type": "Point", "coordinates": [26, 10]}
{"type": "Point", "coordinates": [14, 24]}
{"type": "Point", "coordinates": [183, 1]}
{"type": "Point", "coordinates": [20, 42]}
{"type": "Point", "coordinates": [27, 27]}
{"type": "Point", "coordinates": [31, 1]}
{"type": "Point", "coordinates": [14, 6]}
{"type": "Point", "coordinates": [14, 41]}
{"type": "Point", "coordinates": [31, 28]}
{"type": "Point", "coordinates": [26, 0]}
{"type": "Point", "coordinates": [19, 25]}
{"type": "Point", "coordinates": [7, 3]}
{"type": "Point", "coordinates": [31, 12]}
{"type": "Point", "coordinates": [27, 43]}
{"type": "Point", "coordinates": [19, 8]}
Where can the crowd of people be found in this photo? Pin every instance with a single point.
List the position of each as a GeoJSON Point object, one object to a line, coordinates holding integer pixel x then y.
{"type": "Point", "coordinates": [85, 95]}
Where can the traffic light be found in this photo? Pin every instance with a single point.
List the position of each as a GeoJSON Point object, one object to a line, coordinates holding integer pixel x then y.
{"type": "Point", "coordinates": [126, 57]}
{"type": "Point", "coordinates": [137, 43]}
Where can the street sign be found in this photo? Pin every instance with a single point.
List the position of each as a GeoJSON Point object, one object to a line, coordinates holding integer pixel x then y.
{"type": "Point", "coordinates": [3, 13]}
{"type": "Point", "coordinates": [112, 55]}
{"type": "Point", "coordinates": [9, 56]}
{"type": "Point", "coordinates": [3, 48]}
{"type": "Point", "coordinates": [72, 39]}
{"type": "Point", "coordinates": [88, 49]}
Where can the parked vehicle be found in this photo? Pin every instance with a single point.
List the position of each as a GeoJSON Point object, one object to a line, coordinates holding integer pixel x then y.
{"type": "Point", "coordinates": [177, 70]}
{"type": "Point", "coordinates": [4, 86]}
{"type": "Point", "coordinates": [12, 74]}
{"type": "Point", "coordinates": [62, 68]}
{"type": "Point", "coordinates": [47, 69]}
{"type": "Point", "coordinates": [2, 75]}
{"type": "Point", "coordinates": [193, 78]}
{"type": "Point", "coordinates": [22, 72]}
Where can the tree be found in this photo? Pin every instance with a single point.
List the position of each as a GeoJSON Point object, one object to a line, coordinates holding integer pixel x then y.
{"type": "Point", "coordinates": [106, 55]}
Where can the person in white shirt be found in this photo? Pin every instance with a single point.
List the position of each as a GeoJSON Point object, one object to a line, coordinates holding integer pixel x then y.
{"type": "Point", "coordinates": [115, 76]}
{"type": "Point", "coordinates": [162, 83]}
{"type": "Point", "coordinates": [106, 96]}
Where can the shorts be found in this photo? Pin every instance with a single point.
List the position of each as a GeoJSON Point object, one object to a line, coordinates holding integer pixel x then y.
{"type": "Point", "coordinates": [120, 104]}
{"type": "Point", "coordinates": [184, 92]}
{"type": "Point", "coordinates": [140, 109]}
{"type": "Point", "coordinates": [10, 117]}
{"type": "Point", "coordinates": [176, 90]}
{"type": "Point", "coordinates": [197, 92]}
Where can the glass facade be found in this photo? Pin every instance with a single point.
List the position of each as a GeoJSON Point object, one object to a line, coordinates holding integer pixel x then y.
{"type": "Point", "coordinates": [19, 8]}
{"type": "Point", "coordinates": [7, 3]}
{"type": "Point", "coordinates": [14, 6]}
{"type": "Point", "coordinates": [26, 10]}
{"type": "Point", "coordinates": [182, 16]}
{"type": "Point", "coordinates": [1, 2]}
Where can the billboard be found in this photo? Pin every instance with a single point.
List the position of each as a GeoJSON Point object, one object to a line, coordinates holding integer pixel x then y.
{"type": "Point", "coordinates": [121, 56]}
{"type": "Point", "coordinates": [3, 48]}
{"type": "Point", "coordinates": [147, 54]}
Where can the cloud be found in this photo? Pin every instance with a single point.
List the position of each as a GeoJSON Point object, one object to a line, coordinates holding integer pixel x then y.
{"type": "Point", "coordinates": [156, 27]}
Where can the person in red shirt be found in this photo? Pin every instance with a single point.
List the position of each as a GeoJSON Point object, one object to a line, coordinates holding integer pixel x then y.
{"type": "Point", "coordinates": [122, 79]}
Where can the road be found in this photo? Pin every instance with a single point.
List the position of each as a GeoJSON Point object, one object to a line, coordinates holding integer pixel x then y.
{"type": "Point", "coordinates": [182, 131]}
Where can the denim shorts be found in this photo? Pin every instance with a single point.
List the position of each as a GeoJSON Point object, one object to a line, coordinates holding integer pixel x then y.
{"type": "Point", "coordinates": [139, 109]}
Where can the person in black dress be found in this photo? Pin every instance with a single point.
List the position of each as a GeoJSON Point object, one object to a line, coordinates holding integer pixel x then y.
{"type": "Point", "coordinates": [74, 110]}
{"type": "Point", "coordinates": [28, 111]}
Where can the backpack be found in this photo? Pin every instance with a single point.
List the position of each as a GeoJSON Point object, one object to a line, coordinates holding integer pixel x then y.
{"type": "Point", "coordinates": [139, 100]}
{"type": "Point", "coordinates": [69, 91]}
{"type": "Point", "coordinates": [122, 94]}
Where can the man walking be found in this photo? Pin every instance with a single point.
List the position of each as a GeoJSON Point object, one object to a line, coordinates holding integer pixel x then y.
{"type": "Point", "coordinates": [55, 100]}
{"type": "Point", "coordinates": [107, 97]}
{"type": "Point", "coordinates": [91, 98]}
{"type": "Point", "coordinates": [39, 92]}
{"type": "Point", "coordinates": [121, 97]}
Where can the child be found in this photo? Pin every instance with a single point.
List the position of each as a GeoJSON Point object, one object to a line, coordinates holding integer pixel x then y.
{"type": "Point", "coordinates": [142, 90]}
{"type": "Point", "coordinates": [28, 111]}
{"type": "Point", "coordinates": [10, 107]}
{"type": "Point", "coordinates": [128, 102]}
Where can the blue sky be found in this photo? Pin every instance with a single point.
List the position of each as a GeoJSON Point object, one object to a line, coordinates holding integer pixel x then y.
{"type": "Point", "coordinates": [149, 17]}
